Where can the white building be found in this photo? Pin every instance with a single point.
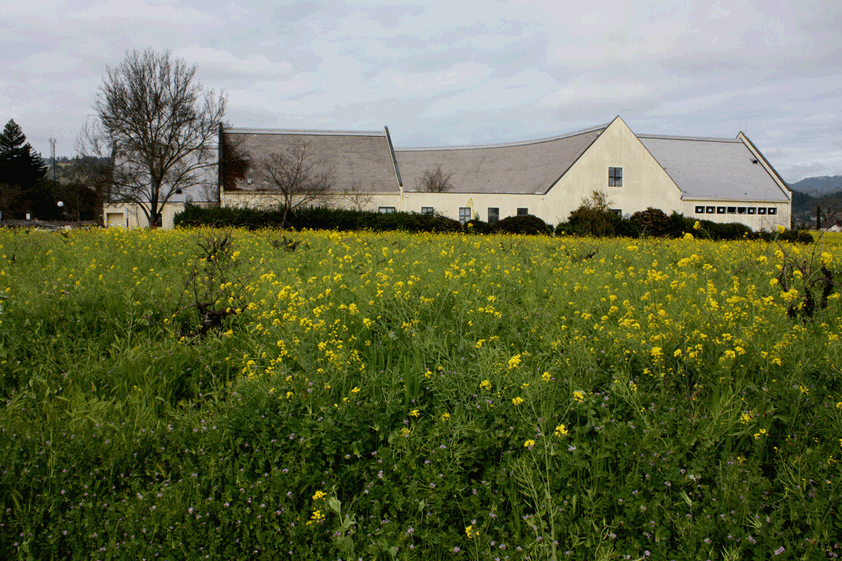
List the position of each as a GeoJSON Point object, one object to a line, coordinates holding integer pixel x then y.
{"type": "Point", "coordinates": [717, 179]}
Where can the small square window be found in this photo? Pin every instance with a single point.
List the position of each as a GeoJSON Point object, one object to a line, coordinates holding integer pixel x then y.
{"type": "Point", "coordinates": [741, 210]}
{"type": "Point", "coordinates": [720, 210]}
{"type": "Point", "coordinates": [752, 210]}
{"type": "Point", "coordinates": [493, 215]}
{"type": "Point", "coordinates": [710, 209]}
{"type": "Point", "coordinates": [773, 210]}
{"type": "Point", "coordinates": [700, 210]}
{"type": "Point", "coordinates": [464, 214]}
{"type": "Point", "coordinates": [761, 210]}
{"type": "Point", "coordinates": [732, 210]}
{"type": "Point", "coordinates": [427, 210]}
{"type": "Point", "coordinates": [522, 211]}
{"type": "Point", "coordinates": [615, 177]}
{"type": "Point", "coordinates": [386, 209]}
{"type": "Point", "coordinates": [617, 211]}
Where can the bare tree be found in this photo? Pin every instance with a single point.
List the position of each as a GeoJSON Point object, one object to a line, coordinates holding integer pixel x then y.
{"type": "Point", "coordinates": [297, 178]}
{"type": "Point", "coordinates": [160, 127]}
{"type": "Point", "coordinates": [357, 197]}
{"type": "Point", "coordinates": [434, 180]}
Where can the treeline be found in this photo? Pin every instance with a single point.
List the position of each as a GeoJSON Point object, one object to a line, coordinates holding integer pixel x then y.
{"type": "Point", "coordinates": [25, 190]}
{"type": "Point", "coordinates": [585, 221]}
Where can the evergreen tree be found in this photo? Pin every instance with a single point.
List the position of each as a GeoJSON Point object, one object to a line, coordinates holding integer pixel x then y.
{"type": "Point", "coordinates": [19, 164]}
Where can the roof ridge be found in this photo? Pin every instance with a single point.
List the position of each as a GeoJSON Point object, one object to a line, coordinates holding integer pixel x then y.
{"type": "Point", "coordinates": [305, 132]}
{"type": "Point", "coordinates": [505, 144]}
{"type": "Point", "coordinates": [690, 138]}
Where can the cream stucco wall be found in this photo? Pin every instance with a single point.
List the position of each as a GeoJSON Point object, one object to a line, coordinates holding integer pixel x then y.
{"type": "Point", "coordinates": [645, 183]}
{"type": "Point", "coordinates": [131, 216]}
{"type": "Point", "coordinates": [448, 204]}
{"type": "Point", "coordinates": [756, 222]}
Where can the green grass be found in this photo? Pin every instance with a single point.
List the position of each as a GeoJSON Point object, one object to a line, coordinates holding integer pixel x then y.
{"type": "Point", "coordinates": [383, 396]}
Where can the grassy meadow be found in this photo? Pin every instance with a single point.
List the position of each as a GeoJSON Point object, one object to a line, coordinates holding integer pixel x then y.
{"type": "Point", "coordinates": [193, 394]}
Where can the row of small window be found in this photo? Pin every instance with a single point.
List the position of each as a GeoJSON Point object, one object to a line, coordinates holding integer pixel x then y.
{"type": "Point", "coordinates": [464, 212]}
{"type": "Point", "coordinates": [736, 210]}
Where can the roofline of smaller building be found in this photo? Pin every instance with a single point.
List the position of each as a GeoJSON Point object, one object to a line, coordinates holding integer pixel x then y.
{"type": "Point", "coordinates": [306, 132]}
{"type": "Point", "coordinates": [724, 199]}
{"type": "Point", "coordinates": [688, 138]}
{"type": "Point", "coordinates": [506, 144]}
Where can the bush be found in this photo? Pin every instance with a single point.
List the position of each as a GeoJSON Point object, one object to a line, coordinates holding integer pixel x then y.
{"type": "Point", "coordinates": [653, 222]}
{"type": "Point", "coordinates": [528, 225]}
{"type": "Point", "coordinates": [586, 221]}
{"type": "Point", "coordinates": [477, 227]}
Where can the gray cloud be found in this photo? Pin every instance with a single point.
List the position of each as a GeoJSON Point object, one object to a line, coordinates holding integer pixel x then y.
{"type": "Point", "coordinates": [455, 73]}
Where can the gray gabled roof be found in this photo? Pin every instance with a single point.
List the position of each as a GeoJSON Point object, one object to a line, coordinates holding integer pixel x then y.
{"type": "Point", "coordinates": [358, 160]}
{"type": "Point", "coordinates": [530, 167]}
{"type": "Point", "coordinates": [713, 168]}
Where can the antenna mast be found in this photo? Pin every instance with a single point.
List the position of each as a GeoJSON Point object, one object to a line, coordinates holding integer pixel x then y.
{"type": "Point", "coordinates": [53, 155]}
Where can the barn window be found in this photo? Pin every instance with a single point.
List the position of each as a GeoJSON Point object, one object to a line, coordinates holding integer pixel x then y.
{"type": "Point", "coordinates": [464, 214]}
{"type": "Point", "coordinates": [493, 215]}
{"type": "Point", "coordinates": [615, 177]}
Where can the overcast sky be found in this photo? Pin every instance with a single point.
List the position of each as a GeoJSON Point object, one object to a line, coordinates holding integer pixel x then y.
{"type": "Point", "coordinates": [454, 73]}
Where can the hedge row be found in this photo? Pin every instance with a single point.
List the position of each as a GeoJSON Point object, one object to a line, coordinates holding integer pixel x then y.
{"type": "Point", "coordinates": [583, 221]}
{"type": "Point", "coordinates": [321, 218]}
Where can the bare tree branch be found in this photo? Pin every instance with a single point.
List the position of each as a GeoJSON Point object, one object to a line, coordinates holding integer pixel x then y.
{"type": "Point", "coordinates": [160, 127]}
{"type": "Point", "coordinates": [434, 180]}
{"type": "Point", "coordinates": [357, 197]}
{"type": "Point", "coordinates": [296, 178]}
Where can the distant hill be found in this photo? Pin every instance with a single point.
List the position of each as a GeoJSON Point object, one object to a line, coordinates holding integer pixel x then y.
{"type": "Point", "coordinates": [812, 192]}
{"type": "Point", "coordinates": [818, 186]}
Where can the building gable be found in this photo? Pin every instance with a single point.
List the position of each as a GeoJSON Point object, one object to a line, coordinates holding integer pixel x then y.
{"type": "Point", "coordinates": [716, 168]}
{"type": "Point", "coordinates": [620, 166]}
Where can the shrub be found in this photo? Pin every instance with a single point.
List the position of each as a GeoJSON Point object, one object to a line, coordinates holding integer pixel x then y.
{"type": "Point", "coordinates": [477, 227]}
{"type": "Point", "coordinates": [529, 225]}
{"type": "Point", "coordinates": [594, 217]}
{"type": "Point", "coordinates": [653, 222]}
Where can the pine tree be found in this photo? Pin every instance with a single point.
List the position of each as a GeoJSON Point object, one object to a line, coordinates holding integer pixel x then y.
{"type": "Point", "coordinates": [19, 164]}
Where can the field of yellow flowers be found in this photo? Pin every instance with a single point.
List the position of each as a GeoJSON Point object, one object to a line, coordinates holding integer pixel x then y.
{"type": "Point", "coordinates": [194, 394]}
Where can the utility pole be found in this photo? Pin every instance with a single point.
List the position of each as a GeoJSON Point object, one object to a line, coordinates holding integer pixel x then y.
{"type": "Point", "coordinates": [53, 155]}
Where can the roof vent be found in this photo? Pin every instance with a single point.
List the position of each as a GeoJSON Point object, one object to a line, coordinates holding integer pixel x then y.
{"type": "Point", "coordinates": [754, 162]}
